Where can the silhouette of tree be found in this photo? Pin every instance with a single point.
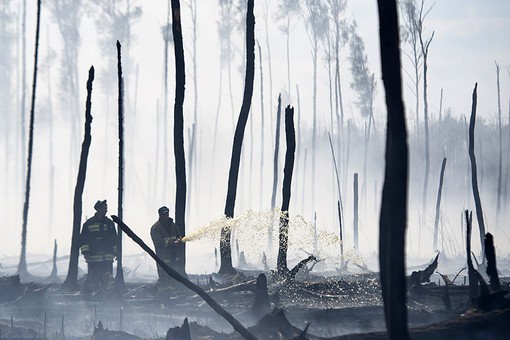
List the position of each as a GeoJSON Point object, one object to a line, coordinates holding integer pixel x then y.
{"type": "Point", "coordinates": [287, 15]}
{"type": "Point", "coordinates": [225, 244]}
{"type": "Point", "coordinates": [22, 266]}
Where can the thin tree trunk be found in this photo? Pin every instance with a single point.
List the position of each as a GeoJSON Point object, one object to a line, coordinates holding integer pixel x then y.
{"type": "Point", "coordinates": [225, 245]}
{"type": "Point", "coordinates": [71, 281]}
{"type": "Point", "coordinates": [191, 154]}
{"type": "Point", "coordinates": [165, 102]}
{"type": "Point", "coordinates": [290, 134]}
{"type": "Point", "coordinates": [441, 106]}
{"type": "Point", "coordinates": [304, 181]}
{"type": "Point", "coordinates": [500, 160]}
{"type": "Point", "coordinates": [262, 127]}
{"type": "Point", "coordinates": [340, 233]}
{"type": "Point", "coordinates": [216, 126]}
{"type": "Point", "coordinates": [473, 284]}
{"type": "Point", "coordinates": [355, 221]}
{"type": "Point", "coordinates": [340, 204]}
{"type": "Point", "coordinates": [22, 266]}
{"type": "Point", "coordinates": [276, 153]}
{"type": "Point", "coordinates": [438, 203]}
{"type": "Point", "coordinates": [393, 218]}
{"type": "Point", "coordinates": [275, 170]}
{"type": "Point", "coordinates": [119, 278]}
{"type": "Point", "coordinates": [180, 160]}
{"type": "Point", "coordinates": [474, 176]}
{"type": "Point", "coordinates": [314, 132]}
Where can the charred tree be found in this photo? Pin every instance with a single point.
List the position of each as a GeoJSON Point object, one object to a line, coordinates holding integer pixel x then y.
{"type": "Point", "coordinates": [180, 161]}
{"type": "Point", "coordinates": [22, 266]}
{"type": "Point", "coordinates": [225, 245]}
{"type": "Point", "coordinates": [71, 281]}
{"type": "Point", "coordinates": [290, 136]}
{"type": "Point", "coordinates": [474, 175]}
{"type": "Point", "coordinates": [119, 278]}
{"type": "Point", "coordinates": [275, 167]}
{"type": "Point", "coordinates": [393, 219]}
{"type": "Point", "coordinates": [492, 270]}
{"type": "Point", "coordinates": [339, 201]}
{"type": "Point", "coordinates": [438, 203]}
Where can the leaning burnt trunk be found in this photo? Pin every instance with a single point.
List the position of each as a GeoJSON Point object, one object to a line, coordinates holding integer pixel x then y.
{"type": "Point", "coordinates": [22, 266]}
{"type": "Point", "coordinates": [119, 278]}
{"type": "Point", "coordinates": [71, 281]}
{"type": "Point", "coordinates": [225, 246]}
{"type": "Point", "coordinates": [180, 161]}
{"type": "Point", "coordinates": [393, 218]}
{"type": "Point", "coordinates": [290, 135]}
{"type": "Point", "coordinates": [438, 203]}
{"type": "Point", "coordinates": [474, 176]}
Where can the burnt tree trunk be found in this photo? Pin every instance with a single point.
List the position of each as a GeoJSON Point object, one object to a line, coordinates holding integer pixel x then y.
{"type": "Point", "coordinates": [492, 270]}
{"type": "Point", "coordinates": [119, 278]}
{"type": "Point", "coordinates": [290, 135]}
{"type": "Point", "coordinates": [71, 281]}
{"type": "Point", "coordinates": [22, 266]}
{"type": "Point", "coordinates": [180, 161]}
{"type": "Point", "coordinates": [225, 246]}
{"type": "Point", "coordinates": [474, 176]}
{"type": "Point", "coordinates": [438, 203]}
{"type": "Point", "coordinates": [500, 160]}
{"type": "Point", "coordinates": [393, 219]}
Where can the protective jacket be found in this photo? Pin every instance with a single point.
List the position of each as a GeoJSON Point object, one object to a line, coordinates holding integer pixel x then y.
{"type": "Point", "coordinates": [98, 240]}
{"type": "Point", "coordinates": [164, 235]}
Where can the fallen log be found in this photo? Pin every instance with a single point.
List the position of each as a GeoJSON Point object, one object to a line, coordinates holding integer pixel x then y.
{"type": "Point", "coordinates": [187, 283]}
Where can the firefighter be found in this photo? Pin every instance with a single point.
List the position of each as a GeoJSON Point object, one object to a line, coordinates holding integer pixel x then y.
{"type": "Point", "coordinates": [98, 246]}
{"type": "Point", "coordinates": [166, 238]}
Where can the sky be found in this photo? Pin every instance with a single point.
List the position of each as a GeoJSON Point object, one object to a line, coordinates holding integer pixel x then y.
{"type": "Point", "coordinates": [469, 36]}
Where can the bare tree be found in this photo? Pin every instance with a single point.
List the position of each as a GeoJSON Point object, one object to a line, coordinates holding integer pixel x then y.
{"type": "Point", "coordinates": [363, 82]}
{"type": "Point", "coordinates": [424, 44]}
{"type": "Point", "coordinates": [22, 266]}
{"type": "Point", "coordinates": [474, 173]}
{"type": "Point", "coordinates": [119, 278]}
{"type": "Point", "coordinates": [393, 218]}
{"type": "Point", "coordinates": [225, 245]}
{"type": "Point", "coordinates": [180, 161]}
{"type": "Point", "coordinates": [71, 281]}
{"type": "Point", "coordinates": [287, 12]}
{"type": "Point", "coordinates": [317, 28]}
{"type": "Point", "coordinates": [500, 161]}
{"type": "Point", "coordinates": [438, 203]}
{"type": "Point", "coordinates": [290, 134]}
{"type": "Point", "coordinates": [409, 12]}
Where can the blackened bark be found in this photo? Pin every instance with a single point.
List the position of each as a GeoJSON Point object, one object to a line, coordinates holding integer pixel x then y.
{"type": "Point", "coordinates": [71, 281]}
{"type": "Point", "coordinates": [340, 233]}
{"type": "Point", "coordinates": [225, 246]}
{"type": "Point", "coordinates": [290, 135]}
{"type": "Point", "coordinates": [180, 161]}
{"type": "Point", "coordinates": [438, 203]}
{"type": "Point", "coordinates": [474, 176]}
{"type": "Point", "coordinates": [22, 266]}
{"type": "Point", "coordinates": [119, 278]}
{"type": "Point", "coordinates": [492, 270]}
{"type": "Point", "coordinates": [393, 219]}
{"type": "Point", "coordinates": [187, 283]}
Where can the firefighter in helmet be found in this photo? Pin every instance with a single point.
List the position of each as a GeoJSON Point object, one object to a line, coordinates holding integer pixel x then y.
{"type": "Point", "coordinates": [98, 245]}
{"type": "Point", "coordinates": [166, 238]}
